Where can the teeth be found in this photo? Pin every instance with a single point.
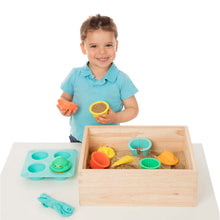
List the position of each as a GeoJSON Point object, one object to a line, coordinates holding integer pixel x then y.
{"type": "Point", "coordinates": [103, 58]}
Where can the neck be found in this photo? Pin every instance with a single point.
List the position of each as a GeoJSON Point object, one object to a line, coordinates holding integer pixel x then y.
{"type": "Point", "coordinates": [97, 71]}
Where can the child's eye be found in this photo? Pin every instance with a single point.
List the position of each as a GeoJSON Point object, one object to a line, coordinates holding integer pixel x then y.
{"type": "Point", "coordinates": [93, 46]}
{"type": "Point", "coordinates": [109, 45]}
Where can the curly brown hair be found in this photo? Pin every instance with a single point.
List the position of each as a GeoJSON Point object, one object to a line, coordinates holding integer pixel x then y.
{"type": "Point", "coordinates": [93, 23]}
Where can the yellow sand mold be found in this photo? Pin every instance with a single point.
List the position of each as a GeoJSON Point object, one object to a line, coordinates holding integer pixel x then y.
{"type": "Point", "coordinates": [123, 160]}
{"type": "Point", "coordinates": [107, 150]}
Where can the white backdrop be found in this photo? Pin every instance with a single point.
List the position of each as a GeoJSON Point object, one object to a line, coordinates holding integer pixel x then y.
{"type": "Point", "coordinates": [170, 49]}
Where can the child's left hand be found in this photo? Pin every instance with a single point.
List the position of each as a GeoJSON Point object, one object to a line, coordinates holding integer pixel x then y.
{"type": "Point", "coordinates": [107, 118]}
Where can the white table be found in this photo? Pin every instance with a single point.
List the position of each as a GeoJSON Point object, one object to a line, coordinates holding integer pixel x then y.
{"type": "Point", "coordinates": [19, 195]}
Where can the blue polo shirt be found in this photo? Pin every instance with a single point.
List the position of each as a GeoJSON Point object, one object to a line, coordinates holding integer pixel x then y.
{"type": "Point", "coordinates": [81, 83]}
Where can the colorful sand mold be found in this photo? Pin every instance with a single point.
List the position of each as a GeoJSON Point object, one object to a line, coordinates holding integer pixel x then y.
{"type": "Point", "coordinates": [37, 162]}
{"type": "Point", "coordinates": [100, 158]}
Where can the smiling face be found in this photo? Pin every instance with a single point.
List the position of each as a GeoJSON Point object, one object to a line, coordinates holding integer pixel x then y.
{"type": "Point", "coordinates": [100, 47]}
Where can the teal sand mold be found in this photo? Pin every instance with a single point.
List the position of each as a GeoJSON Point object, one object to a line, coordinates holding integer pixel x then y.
{"type": "Point", "coordinates": [37, 164]}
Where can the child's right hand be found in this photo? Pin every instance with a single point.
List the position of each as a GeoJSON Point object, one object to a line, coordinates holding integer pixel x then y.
{"type": "Point", "coordinates": [66, 107]}
{"type": "Point", "coordinates": [67, 113]}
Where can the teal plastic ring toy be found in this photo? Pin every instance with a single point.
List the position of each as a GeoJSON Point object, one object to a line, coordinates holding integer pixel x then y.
{"type": "Point", "coordinates": [143, 143]}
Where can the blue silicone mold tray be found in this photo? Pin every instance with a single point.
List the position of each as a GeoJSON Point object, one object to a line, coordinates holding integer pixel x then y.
{"type": "Point", "coordinates": [36, 165]}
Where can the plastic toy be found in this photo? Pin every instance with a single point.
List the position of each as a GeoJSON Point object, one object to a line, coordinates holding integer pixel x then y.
{"type": "Point", "coordinates": [143, 144]}
{"type": "Point", "coordinates": [123, 160]}
{"type": "Point", "coordinates": [168, 158]}
{"type": "Point", "coordinates": [99, 108]}
{"type": "Point", "coordinates": [36, 164]}
{"type": "Point", "coordinates": [99, 160]}
{"type": "Point", "coordinates": [107, 150]}
{"type": "Point", "coordinates": [60, 165]}
{"type": "Point", "coordinates": [61, 207]}
{"type": "Point", "coordinates": [67, 106]}
{"type": "Point", "coordinates": [149, 163]}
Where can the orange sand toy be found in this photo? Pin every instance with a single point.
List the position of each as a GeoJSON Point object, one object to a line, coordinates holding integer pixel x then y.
{"type": "Point", "coordinates": [67, 106]}
{"type": "Point", "coordinates": [99, 160]}
{"type": "Point", "coordinates": [168, 158]}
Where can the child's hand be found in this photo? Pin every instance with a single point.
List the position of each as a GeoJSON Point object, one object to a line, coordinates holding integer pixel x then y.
{"type": "Point", "coordinates": [107, 119]}
{"type": "Point", "coordinates": [67, 113]}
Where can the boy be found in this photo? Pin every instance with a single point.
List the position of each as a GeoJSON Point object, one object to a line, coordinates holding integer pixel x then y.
{"type": "Point", "coordinates": [98, 80]}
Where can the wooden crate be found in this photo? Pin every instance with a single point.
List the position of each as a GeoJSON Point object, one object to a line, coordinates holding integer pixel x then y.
{"type": "Point", "coordinates": [138, 187]}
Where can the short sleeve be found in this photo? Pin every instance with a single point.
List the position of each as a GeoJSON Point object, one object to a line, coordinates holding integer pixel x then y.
{"type": "Point", "coordinates": [68, 84]}
{"type": "Point", "coordinates": [127, 87]}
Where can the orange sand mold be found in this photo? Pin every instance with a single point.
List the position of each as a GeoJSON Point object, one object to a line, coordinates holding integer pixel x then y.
{"type": "Point", "coordinates": [168, 158]}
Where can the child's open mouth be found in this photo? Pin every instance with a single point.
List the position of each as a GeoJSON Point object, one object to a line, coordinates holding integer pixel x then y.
{"type": "Point", "coordinates": [102, 59]}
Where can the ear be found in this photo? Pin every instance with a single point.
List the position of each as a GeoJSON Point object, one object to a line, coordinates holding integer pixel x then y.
{"type": "Point", "coordinates": [116, 46]}
{"type": "Point", "coordinates": [83, 48]}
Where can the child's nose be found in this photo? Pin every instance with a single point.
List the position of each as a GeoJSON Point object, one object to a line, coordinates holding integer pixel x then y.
{"type": "Point", "coordinates": [102, 50]}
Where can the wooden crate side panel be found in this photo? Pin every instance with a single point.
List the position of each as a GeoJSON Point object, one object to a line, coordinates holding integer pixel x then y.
{"type": "Point", "coordinates": [189, 152]}
{"type": "Point", "coordinates": [84, 150]}
{"type": "Point", "coordinates": [137, 188]}
{"type": "Point", "coordinates": [169, 138]}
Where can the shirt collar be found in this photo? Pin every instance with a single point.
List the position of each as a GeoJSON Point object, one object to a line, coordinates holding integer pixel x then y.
{"type": "Point", "coordinates": [111, 75]}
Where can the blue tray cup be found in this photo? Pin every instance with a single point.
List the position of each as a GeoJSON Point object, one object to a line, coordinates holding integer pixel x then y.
{"type": "Point", "coordinates": [149, 163]}
{"type": "Point", "coordinates": [140, 143]}
{"type": "Point", "coordinates": [36, 168]}
{"type": "Point", "coordinates": [40, 155]}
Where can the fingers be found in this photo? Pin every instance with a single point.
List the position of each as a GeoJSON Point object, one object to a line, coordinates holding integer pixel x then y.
{"type": "Point", "coordinates": [74, 111]}
{"type": "Point", "coordinates": [103, 119]}
{"type": "Point", "coordinates": [106, 118]}
{"type": "Point", "coordinates": [67, 113]}
{"type": "Point", "coordinates": [110, 110]}
{"type": "Point", "coordinates": [60, 109]}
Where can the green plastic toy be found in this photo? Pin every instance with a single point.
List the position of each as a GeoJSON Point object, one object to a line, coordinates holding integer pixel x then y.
{"type": "Point", "coordinates": [149, 163]}
{"type": "Point", "coordinates": [60, 165]}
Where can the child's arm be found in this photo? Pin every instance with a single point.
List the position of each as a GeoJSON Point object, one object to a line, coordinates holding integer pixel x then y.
{"type": "Point", "coordinates": [129, 113]}
{"type": "Point", "coordinates": [68, 98]}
